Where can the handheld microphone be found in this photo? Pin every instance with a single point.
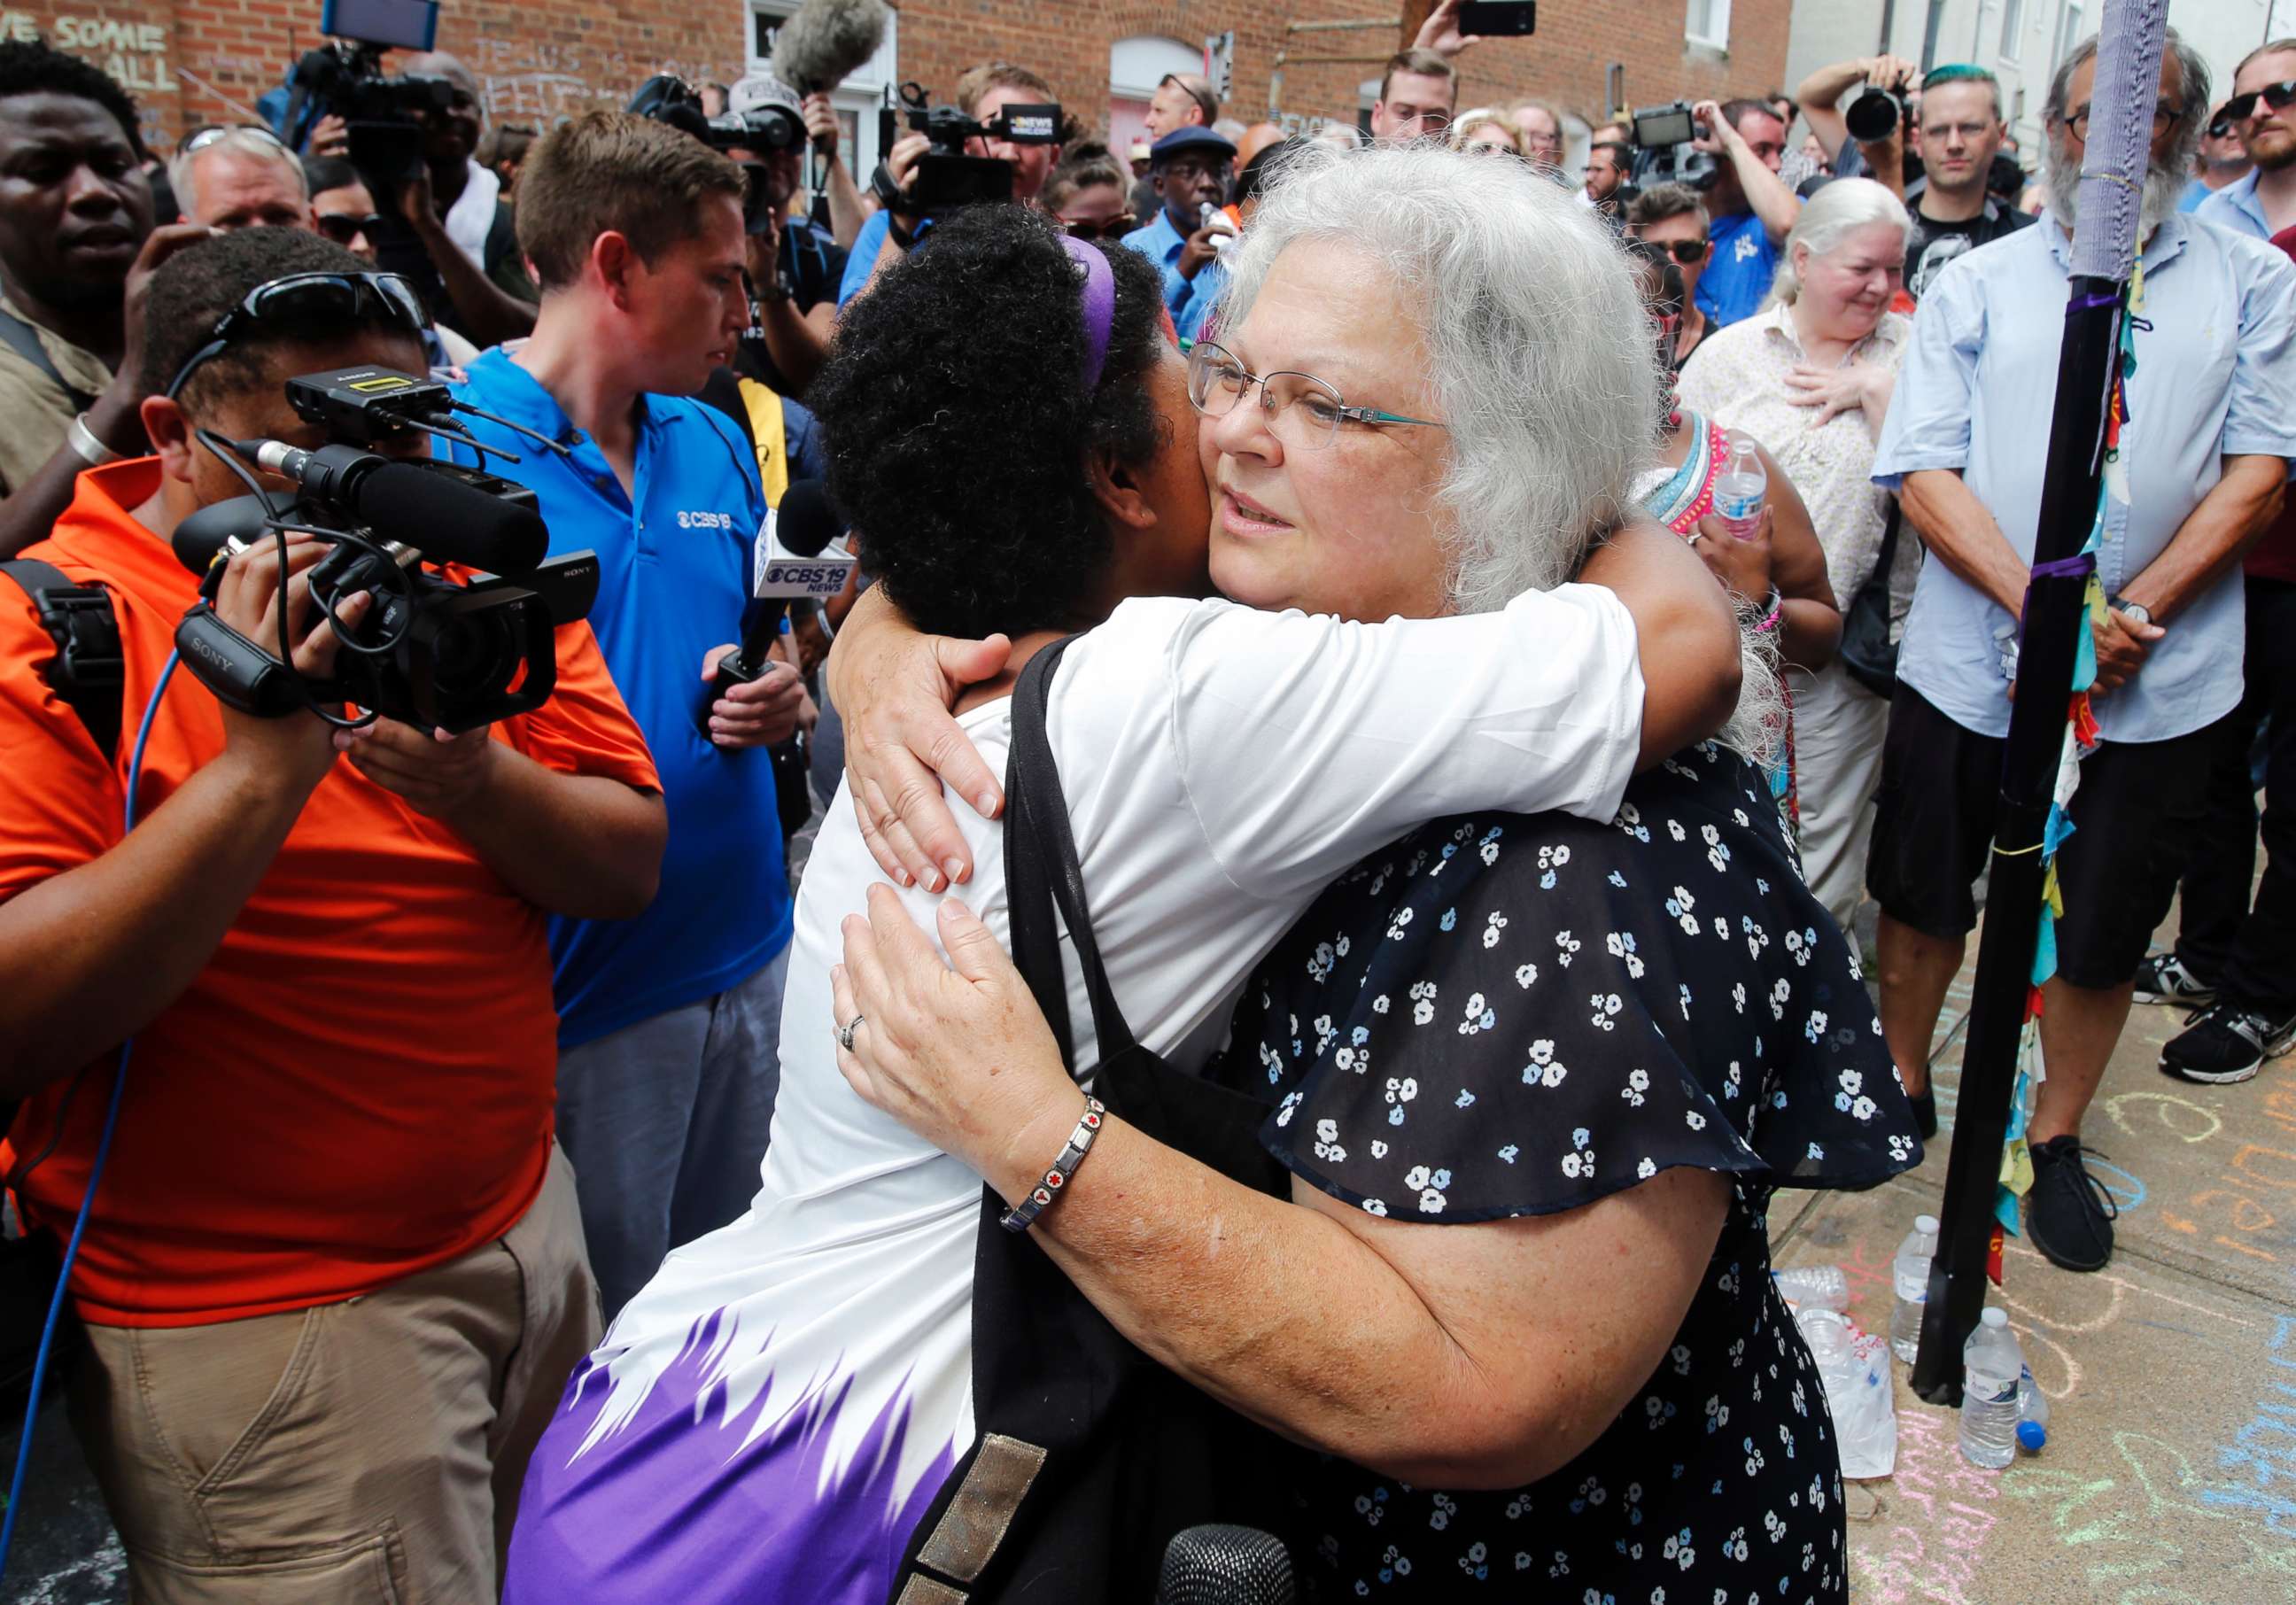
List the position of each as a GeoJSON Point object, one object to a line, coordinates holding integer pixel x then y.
{"type": "Point", "coordinates": [793, 559]}
{"type": "Point", "coordinates": [795, 555]}
{"type": "Point", "coordinates": [448, 512]}
{"type": "Point", "coordinates": [1217, 1564]}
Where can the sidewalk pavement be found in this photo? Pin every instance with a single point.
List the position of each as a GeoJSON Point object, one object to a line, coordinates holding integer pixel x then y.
{"type": "Point", "coordinates": [2169, 1478]}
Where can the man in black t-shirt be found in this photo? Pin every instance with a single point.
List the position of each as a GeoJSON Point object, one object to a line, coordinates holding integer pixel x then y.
{"type": "Point", "coordinates": [1958, 134]}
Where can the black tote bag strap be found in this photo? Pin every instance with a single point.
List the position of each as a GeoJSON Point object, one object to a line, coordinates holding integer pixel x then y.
{"type": "Point", "coordinates": [1042, 869]}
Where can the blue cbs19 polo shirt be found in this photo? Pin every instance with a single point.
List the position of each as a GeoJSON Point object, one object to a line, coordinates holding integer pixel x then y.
{"type": "Point", "coordinates": [673, 580]}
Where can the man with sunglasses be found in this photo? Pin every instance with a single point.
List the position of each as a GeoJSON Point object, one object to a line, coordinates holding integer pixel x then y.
{"type": "Point", "coordinates": [2210, 431]}
{"type": "Point", "coordinates": [342, 207]}
{"type": "Point", "coordinates": [77, 250]}
{"type": "Point", "coordinates": [1673, 217]}
{"type": "Point", "coordinates": [331, 1206]}
{"type": "Point", "coordinates": [2223, 162]}
{"type": "Point", "coordinates": [2262, 110]}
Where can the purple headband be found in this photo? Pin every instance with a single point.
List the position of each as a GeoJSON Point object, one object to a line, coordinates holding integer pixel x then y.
{"type": "Point", "coordinates": [1097, 292]}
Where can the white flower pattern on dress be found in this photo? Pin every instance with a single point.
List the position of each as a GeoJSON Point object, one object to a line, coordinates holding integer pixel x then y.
{"type": "Point", "coordinates": [1660, 1054]}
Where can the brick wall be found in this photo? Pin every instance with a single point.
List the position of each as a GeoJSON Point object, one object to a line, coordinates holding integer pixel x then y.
{"type": "Point", "coordinates": [1069, 41]}
{"type": "Point", "coordinates": [191, 61]}
{"type": "Point", "coordinates": [198, 60]}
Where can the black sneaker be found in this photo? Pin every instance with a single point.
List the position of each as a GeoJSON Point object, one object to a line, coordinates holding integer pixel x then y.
{"type": "Point", "coordinates": [2226, 1043]}
{"type": "Point", "coordinates": [2068, 1213]}
{"type": "Point", "coordinates": [2163, 978]}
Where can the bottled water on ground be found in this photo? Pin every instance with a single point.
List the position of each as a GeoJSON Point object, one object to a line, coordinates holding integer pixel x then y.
{"type": "Point", "coordinates": [1814, 1287]}
{"type": "Point", "coordinates": [1991, 1365]}
{"type": "Point", "coordinates": [1911, 1273]}
{"type": "Point", "coordinates": [1741, 490]}
{"type": "Point", "coordinates": [2032, 1414]}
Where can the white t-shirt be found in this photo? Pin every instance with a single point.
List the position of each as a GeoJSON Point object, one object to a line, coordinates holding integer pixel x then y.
{"type": "Point", "coordinates": [785, 1397]}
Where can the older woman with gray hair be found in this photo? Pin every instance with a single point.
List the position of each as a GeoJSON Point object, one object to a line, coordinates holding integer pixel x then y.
{"type": "Point", "coordinates": [1810, 377]}
{"type": "Point", "coordinates": [1530, 1079]}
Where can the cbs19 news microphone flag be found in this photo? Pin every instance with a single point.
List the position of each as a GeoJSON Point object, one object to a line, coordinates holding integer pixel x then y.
{"type": "Point", "coordinates": [823, 44]}
{"type": "Point", "coordinates": [2050, 724]}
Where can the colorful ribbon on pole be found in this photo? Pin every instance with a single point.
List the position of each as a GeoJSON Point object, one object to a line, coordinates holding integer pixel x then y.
{"type": "Point", "coordinates": [2080, 739]}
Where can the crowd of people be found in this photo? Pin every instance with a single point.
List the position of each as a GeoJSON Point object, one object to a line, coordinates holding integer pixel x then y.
{"type": "Point", "coordinates": [1334, 836]}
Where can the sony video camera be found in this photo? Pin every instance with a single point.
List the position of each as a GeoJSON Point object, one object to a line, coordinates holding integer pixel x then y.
{"type": "Point", "coordinates": [671, 100]}
{"type": "Point", "coordinates": [431, 650]}
{"type": "Point", "coordinates": [945, 176]}
{"type": "Point", "coordinates": [1664, 148]}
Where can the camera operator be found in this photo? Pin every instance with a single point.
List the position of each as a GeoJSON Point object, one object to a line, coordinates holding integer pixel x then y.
{"type": "Point", "coordinates": [1751, 209]}
{"type": "Point", "coordinates": [668, 1022]}
{"type": "Point", "coordinates": [795, 265]}
{"type": "Point", "coordinates": [469, 261]}
{"type": "Point", "coordinates": [1189, 169]}
{"type": "Point", "coordinates": [331, 1206]}
{"type": "Point", "coordinates": [982, 93]}
{"type": "Point", "coordinates": [76, 252]}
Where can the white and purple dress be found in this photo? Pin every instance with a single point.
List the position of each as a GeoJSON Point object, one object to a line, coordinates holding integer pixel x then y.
{"type": "Point", "coordinates": [768, 1420]}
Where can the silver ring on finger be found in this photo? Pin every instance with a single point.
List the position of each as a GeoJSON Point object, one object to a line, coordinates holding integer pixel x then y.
{"type": "Point", "coordinates": [845, 1033]}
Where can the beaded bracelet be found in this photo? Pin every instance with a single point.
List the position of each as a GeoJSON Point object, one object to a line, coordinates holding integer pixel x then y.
{"type": "Point", "coordinates": [1770, 619]}
{"type": "Point", "coordinates": [1023, 1215]}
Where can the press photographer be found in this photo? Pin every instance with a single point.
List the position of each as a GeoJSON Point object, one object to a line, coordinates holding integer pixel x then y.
{"type": "Point", "coordinates": [331, 1203]}
{"type": "Point", "coordinates": [413, 138]}
{"type": "Point", "coordinates": [794, 264]}
{"type": "Point", "coordinates": [1000, 142]}
{"type": "Point", "coordinates": [667, 1022]}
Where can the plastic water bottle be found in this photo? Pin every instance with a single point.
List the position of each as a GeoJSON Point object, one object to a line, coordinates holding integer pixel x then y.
{"type": "Point", "coordinates": [2032, 1414]}
{"type": "Point", "coordinates": [1741, 490]}
{"type": "Point", "coordinates": [1911, 1273]}
{"type": "Point", "coordinates": [1991, 1365]}
{"type": "Point", "coordinates": [1814, 1287]}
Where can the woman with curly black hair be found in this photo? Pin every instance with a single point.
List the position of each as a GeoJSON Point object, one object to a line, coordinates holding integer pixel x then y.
{"type": "Point", "coordinates": [1012, 434]}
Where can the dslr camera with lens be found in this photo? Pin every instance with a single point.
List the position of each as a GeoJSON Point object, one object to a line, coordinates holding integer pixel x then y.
{"type": "Point", "coordinates": [945, 176]}
{"type": "Point", "coordinates": [671, 100]}
{"type": "Point", "coordinates": [1874, 115]}
{"type": "Point", "coordinates": [433, 650]}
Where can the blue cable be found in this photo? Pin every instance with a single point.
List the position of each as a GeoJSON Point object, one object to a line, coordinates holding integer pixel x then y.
{"type": "Point", "coordinates": [94, 1175]}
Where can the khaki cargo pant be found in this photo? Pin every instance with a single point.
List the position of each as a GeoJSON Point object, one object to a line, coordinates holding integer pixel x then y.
{"type": "Point", "coordinates": [364, 1451]}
